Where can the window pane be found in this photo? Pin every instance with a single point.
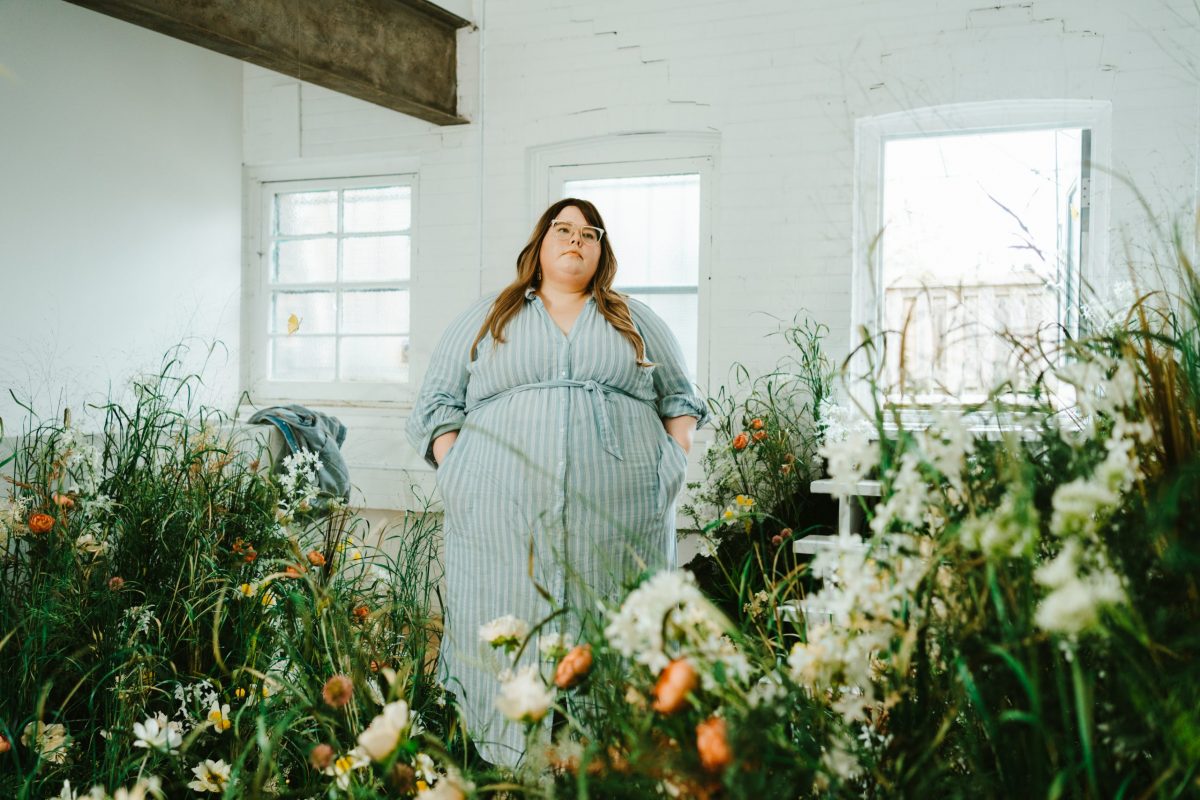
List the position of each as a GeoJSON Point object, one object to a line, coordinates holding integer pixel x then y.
{"type": "Point", "coordinates": [980, 239]}
{"type": "Point", "coordinates": [305, 261]}
{"type": "Point", "coordinates": [653, 225]}
{"type": "Point", "coordinates": [375, 358]}
{"type": "Point", "coordinates": [375, 258]}
{"type": "Point", "coordinates": [375, 311]}
{"type": "Point", "coordinates": [681, 313]}
{"type": "Point", "coordinates": [385, 209]}
{"type": "Point", "coordinates": [301, 213]}
{"type": "Point", "coordinates": [296, 358]}
{"type": "Point", "coordinates": [316, 312]}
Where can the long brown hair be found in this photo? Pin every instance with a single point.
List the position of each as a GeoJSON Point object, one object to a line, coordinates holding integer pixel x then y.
{"type": "Point", "coordinates": [609, 303]}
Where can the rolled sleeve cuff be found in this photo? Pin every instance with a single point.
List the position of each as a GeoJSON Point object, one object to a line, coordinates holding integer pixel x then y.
{"type": "Point", "coordinates": [683, 405]}
{"type": "Point", "coordinates": [448, 419]}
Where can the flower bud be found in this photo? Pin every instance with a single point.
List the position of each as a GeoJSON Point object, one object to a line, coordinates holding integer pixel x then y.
{"type": "Point", "coordinates": [338, 691]}
{"type": "Point", "coordinates": [320, 756]}
{"type": "Point", "coordinates": [676, 682]}
{"type": "Point", "coordinates": [116, 583]}
{"type": "Point", "coordinates": [574, 667]}
{"type": "Point", "coordinates": [713, 745]}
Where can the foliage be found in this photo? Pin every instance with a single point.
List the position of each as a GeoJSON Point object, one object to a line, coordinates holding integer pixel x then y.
{"type": "Point", "coordinates": [168, 579]}
{"type": "Point", "coordinates": [754, 500]}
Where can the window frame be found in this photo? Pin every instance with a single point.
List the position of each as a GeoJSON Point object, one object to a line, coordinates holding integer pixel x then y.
{"type": "Point", "coordinates": [262, 183]}
{"type": "Point", "coordinates": [639, 156]}
{"type": "Point", "coordinates": [871, 135]}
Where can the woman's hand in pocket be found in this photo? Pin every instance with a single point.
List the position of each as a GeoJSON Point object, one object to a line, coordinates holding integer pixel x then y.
{"type": "Point", "coordinates": [442, 445]}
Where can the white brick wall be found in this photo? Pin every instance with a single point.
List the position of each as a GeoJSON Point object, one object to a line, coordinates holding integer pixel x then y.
{"type": "Point", "coordinates": [782, 82]}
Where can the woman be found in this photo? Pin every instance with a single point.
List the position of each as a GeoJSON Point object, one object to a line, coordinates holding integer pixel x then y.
{"type": "Point", "coordinates": [558, 415]}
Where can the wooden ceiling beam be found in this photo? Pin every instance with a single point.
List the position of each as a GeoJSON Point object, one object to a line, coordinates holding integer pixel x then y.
{"type": "Point", "coordinates": [400, 54]}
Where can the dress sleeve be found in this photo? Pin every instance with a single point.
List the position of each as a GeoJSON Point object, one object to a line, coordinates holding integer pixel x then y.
{"type": "Point", "coordinates": [441, 404]}
{"type": "Point", "coordinates": [677, 397]}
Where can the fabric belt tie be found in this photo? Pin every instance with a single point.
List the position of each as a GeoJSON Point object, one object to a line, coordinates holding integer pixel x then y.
{"type": "Point", "coordinates": [599, 393]}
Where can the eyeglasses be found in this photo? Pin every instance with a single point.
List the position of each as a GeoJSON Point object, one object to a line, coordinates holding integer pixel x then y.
{"type": "Point", "coordinates": [563, 231]}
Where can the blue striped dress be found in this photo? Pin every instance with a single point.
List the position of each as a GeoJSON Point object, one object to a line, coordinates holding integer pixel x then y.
{"type": "Point", "coordinates": [562, 462]}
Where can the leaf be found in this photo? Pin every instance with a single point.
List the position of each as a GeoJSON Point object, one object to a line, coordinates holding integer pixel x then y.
{"type": "Point", "coordinates": [293, 324]}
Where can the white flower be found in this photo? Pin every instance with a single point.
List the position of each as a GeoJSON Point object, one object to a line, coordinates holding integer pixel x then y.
{"type": "Point", "coordinates": [507, 632]}
{"type": "Point", "coordinates": [88, 544]}
{"type": "Point", "coordinates": [156, 733]}
{"type": "Point", "coordinates": [425, 768]}
{"type": "Point", "coordinates": [849, 460]}
{"type": "Point", "coordinates": [1074, 603]}
{"type": "Point", "coordinates": [838, 761]}
{"type": "Point", "coordinates": [909, 497]}
{"type": "Point", "coordinates": [451, 786]}
{"type": "Point", "coordinates": [385, 731]}
{"type": "Point", "coordinates": [51, 741]}
{"type": "Point", "coordinates": [343, 767]}
{"type": "Point", "coordinates": [1011, 530]}
{"type": "Point", "coordinates": [523, 696]}
{"type": "Point", "coordinates": [146, 787]}
{"type": "Point", "coordinates": [768, 691]}
{"type": "Point", "coordinates": [97, 506]}
{"type": "Point", "coordinates": [663, 617]}
{"type": "Point", "coordinates": [553, 646]}
{"type": "Point", "coordinates": [211, 776]}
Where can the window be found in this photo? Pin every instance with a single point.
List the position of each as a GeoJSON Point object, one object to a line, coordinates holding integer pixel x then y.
{"type": "Point", "coordinates": [331, 315]}
{"type": "Point", "coordinates": [655, 193]}
{"type": "Point", "coordinates": [654, 223]}
{"type": "Point", "coordinates": [983, 240]}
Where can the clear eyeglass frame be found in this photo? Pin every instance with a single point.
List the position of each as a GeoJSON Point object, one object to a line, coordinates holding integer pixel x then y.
{"type": "Point", "coordinates": [562, 230]}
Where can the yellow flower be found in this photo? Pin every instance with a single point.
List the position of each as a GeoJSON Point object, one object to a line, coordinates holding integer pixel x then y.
{"type": "Point", "coordinates": [268, 599]}
{"type": "Point", "coordinates": [356, 555]}
{"type": "Point", "coordinates": [728, 515]}
{"type": "Point", "coordinates": [219, 717]}
{"type": "Point", "coordinates": [239, 693]}
{"type": "Point", "coordinates": [744, 501]}
{"type": "Point", "coordinates": [247, 589]}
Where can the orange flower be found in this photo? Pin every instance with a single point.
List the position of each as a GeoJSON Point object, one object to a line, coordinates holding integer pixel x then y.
{"type": "Point", "coordinates": [293, 570]}
{"type": "Point", "coordinates": [361, 613]}
{"type": "Point", "coordinates": [316, 558]}
{"type": "Point", "coordinates": [757, 424]}
{"type": "Point", "coordinates": [573, 667]}
{"type": "Point", "coordinates": [63, 500]}
{"type": "Point", "coordinates": [741, 440]}
{"type": "Point", "coordinates": [786, 469]}
{"type": "Point", "coordinates": [41, 523]}
{"type": "Point", "coordinates": [676, 682]}
{"type": "Point", "coordinates": [320, 756]}
{"type": "Point", "coordinates": [5, 745]}
{"type": "Point", "coordinates": [760, 435]}
{"type": "Point", "coordinates": [712, 744]}
{"type": "Point", "coordinates": [247, 551]}
{"type": "Point", "coordinates": [338, 691]}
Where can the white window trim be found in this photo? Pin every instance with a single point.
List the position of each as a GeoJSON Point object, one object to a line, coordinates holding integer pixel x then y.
{"type": "Point", "coordinates": [638, 155]}
{"type": "Point", "coordinates": [255, 279]}
{"type": "Point", "coordinates": [870, 135]}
